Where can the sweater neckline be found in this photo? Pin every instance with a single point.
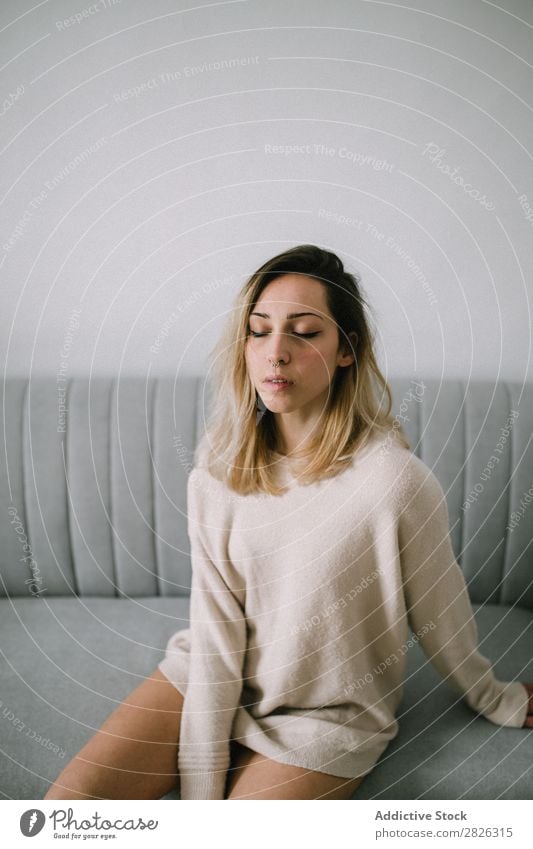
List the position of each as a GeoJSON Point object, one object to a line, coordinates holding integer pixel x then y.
{"type": "Point", "coordinates": [289, 465]}
{"type": "Point", "coordinates": [286, 458]}
{"type": "Point", "coordinates": [288, 469]}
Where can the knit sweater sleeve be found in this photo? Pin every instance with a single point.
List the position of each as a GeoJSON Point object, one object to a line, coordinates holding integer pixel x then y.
{"type": "Point", "coordinates": [217, 649]}
{"type": "Point", "coordinates": [439, 608]}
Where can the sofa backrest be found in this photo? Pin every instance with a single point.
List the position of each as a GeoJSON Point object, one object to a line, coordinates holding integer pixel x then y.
{"type": "Point", "coordinates": [94, 472]}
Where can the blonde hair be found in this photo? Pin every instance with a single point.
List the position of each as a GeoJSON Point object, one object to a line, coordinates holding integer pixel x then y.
{"type": "Point", "coordinates": [238, 450]}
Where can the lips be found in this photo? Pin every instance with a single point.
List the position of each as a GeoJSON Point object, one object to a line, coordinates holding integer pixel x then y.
{"type": "Point", "coordinates": [278, 386]}
{"type": "Point", "coordinates": [279, 378]}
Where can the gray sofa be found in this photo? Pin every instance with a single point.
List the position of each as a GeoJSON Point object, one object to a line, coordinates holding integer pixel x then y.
{"type": "Point", "coordinates": [95, 569]}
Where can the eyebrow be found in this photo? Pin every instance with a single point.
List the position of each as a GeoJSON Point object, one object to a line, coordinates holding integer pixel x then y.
{"type": "Point", "coordinates": [289, 314]}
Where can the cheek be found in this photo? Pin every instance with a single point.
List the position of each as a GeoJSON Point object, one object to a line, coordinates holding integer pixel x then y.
{"type": "Point", "coordinates": [249, 356]}
{"type": "Point", "coordinates": [316, 360]}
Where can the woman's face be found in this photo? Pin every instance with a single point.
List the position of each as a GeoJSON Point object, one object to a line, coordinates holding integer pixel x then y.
{"type": "Point", "coordinates": [306, 347]}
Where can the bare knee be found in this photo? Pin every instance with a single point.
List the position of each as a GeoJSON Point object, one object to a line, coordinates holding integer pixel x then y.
{"type": "Point", "coordinates": [133, 755]}
{"type": "Point", "coordinates": [57, 791]}
{"type": "Point", "coordinates": [75, 782]}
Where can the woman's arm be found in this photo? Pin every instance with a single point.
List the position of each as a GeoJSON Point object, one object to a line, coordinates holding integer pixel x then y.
{"type": "Point", "coordinates": [218, 645]}
{"type": "Point", "coordinates": [435, 592]}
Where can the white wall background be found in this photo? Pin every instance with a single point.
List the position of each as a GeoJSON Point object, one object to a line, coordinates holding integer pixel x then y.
{"type": "Point", "coordinates": [139, 191]}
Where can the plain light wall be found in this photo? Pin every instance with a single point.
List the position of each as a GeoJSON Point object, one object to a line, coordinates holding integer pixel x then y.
{"type": "Point", "coordinates": [155, 154]}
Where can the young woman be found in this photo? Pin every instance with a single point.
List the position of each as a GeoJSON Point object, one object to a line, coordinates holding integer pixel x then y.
{"type": "Point", "coordinates": [317, 539]}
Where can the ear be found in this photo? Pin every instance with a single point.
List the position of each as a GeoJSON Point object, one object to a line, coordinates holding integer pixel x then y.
{"type": "Point", "coordinates": [347, 358]}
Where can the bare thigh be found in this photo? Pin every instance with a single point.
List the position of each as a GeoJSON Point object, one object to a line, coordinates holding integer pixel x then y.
{"type": "Point", "coordinates": [252, 776]}
{"type": "Point", "coordinates": [133, 755]}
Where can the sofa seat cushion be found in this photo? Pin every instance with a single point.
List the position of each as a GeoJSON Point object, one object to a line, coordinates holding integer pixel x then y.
{"type": "Point", "coordinates": [443, 749]}
{"type": "Point", "coordinates": [67, 662]}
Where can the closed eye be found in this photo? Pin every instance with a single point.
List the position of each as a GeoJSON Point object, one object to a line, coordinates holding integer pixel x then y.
{"type": "Point", "coordinates": [303, 335]}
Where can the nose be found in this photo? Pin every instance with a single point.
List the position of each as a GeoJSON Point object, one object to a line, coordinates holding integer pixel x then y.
{"type": "Point", "coordinates": [278, 349]}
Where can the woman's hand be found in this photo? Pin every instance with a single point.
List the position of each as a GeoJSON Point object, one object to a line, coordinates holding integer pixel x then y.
{"type": "Point", "coordinates": [529, 718]}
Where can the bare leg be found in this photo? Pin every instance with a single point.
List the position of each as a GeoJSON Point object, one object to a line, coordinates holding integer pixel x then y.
{"type": "Point", "coordinates": [253, 776]}
{"type": "Point", "coordinates": [133, 755]}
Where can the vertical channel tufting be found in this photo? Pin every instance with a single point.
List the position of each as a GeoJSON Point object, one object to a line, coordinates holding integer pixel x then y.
{"type": "Point", "coordinates": [200, 411]}
{"type": "Point", "coordinates": [420, 422]}
{"type": "Point", "coordinates": [197, 428]}
{"type": "Point", "coordinates": [174, 428]}
{"type": "Point", "coordinates": [65, 456]}
{"type": "Point", "coordinates": [400, 388]}
{"type": "Point", "coordinates": [152, 393]}
{"type": "Point", "coordinates": [45, 484]}
{"type": "Point", "coordinates": [23, 461]}
{"type": "Point", "coordinates": [518, 573]}
{"type": "Point", "coordinates": [460, 558]}
{"type": "Point", "coordinates": [112, 392]}
{"type": "Point", "coordinates": [14, 558]}
{"type": "Point", "coordinates": [466, 481]}
{"type": "Point", "coordinates": [132, 489]}
{"type": "Point", "coordinates": [196, 417]}
{"type": "Point", "coordinates": [503, 496]}
{"type": "Point", "coordinates": [443, 448]}
{"type": "Point", "coordinates": [502, 575]}
{"type": "Point", "coordinates": [25, 428]}
{"type": "Point", "coordinates": [487, 479]}
{"type": "Point", "coordinates": [89, 485]}
{"type": "Point", "coordinates": [18, 570]}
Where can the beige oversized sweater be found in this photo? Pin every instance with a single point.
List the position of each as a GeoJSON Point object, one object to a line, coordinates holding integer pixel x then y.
{"type": "Point", "coordinates": [300, 612]}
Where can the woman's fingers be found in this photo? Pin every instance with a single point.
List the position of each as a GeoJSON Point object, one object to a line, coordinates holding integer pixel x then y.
{"type": "Point", "coordinates": [529, 718]}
